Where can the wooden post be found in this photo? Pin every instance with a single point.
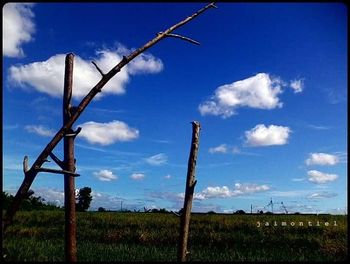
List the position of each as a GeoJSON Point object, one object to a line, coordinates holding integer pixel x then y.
{"type": "Point", "coordinates": [69, 165]}
{"type": "Point", "coordinates": [190, 184]}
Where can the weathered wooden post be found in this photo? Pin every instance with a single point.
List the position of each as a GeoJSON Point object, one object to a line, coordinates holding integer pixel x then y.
{"type": "Point", "coordinates": [190, 184]}
{"type": "Point", "coordinates": [69, 165]}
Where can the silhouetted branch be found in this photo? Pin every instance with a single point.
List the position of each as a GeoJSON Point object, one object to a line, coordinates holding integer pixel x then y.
{"type": "Point", "coordinates": [98, 68]}
{"type": "Point", "coordinates": [57, 171]}
{"type": "Point", "coordinates": [57, 160]}
{"type": "Point", "coordinates": [182, 38]}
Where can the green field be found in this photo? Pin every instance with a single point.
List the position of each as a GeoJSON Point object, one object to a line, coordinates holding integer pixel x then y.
{"type": "Point", "coordinates": [111, 236]}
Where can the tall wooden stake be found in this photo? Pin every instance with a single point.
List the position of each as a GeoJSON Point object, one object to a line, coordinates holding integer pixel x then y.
{"type": "Point", "coordinates": [190, 184]}
{"type": "Point", "coordinates": [69, 165]}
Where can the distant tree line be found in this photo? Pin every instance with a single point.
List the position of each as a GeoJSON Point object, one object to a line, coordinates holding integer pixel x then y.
{"type": "Point", "coordinates": [32, 202]}
{"type": "Point", "coordinates": [83, 201]}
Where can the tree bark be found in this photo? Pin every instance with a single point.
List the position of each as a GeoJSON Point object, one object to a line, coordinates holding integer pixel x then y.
{"type": "Point", "coordinates": [69, 163]}
{"type": "Point", "coordinates": [190, 184]}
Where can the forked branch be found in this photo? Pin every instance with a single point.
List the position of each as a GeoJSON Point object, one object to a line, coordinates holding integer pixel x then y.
{"type": "Point", "coordinates": [182, 38]}
{"type": "Point", "coordinates": [98, 68]}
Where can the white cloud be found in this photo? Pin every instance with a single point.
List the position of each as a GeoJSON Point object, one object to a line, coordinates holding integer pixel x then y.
{"type": "Point", "coordinates": [167, 177]}
{"type": "Point", "coordinates": [320, 177]}
{"type": "Point", "coordinates": [298, 179]}
{"type": "Point", "coordinates": [40, 130]}
{"type": "Point", "coordinates": [107, 133]}
{"type": "Point", "coordinates": [106, 201]}
{"type": "Point", "coordinates": [219, 149]}
{"type": "Point", "coordinates": [225, 192]}
{"type": "Point", "coordinates": [290, 194]}
{"type": "Point", "coordinates": [317, 127]}
{"type": "Point", "coordinates": [321, 195]}
{"type": "Point", "coordinates": [17, 28]}
{"type": "Point", "coordinates": [105, 175]}
{"type": "Point", "coordinates": [236, 150]}
{"type": "Point", "coordinates": [297, 85]}
{"type": "Point", "coordinates": [321, 159]}
{"type": "Point", "coordinates": [137, 176]}
{"type": "Point", "coordinates": [157, 160]}
{"type": "Point", "coordinates": [226, 149]}
{"type": "Point", "coordinates": [145, 63]}
{"type": "Point", "coordinates": [261, 135]}
{"type": "Point", "coordinates": [51, 195]}
{"type": "Point", "coordinates": [249, 188]}
{"type": "Point", "coordinates": [47, 76]}
{"type": "Point", "coordinates": [259, 91]}
{"type": "Point", "coordinates": [216, 192]}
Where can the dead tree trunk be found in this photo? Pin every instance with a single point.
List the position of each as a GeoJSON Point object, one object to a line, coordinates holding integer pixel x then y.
{"type": "Point", "coordinates": [190, 184]}
{"type": "Point", "coordinates": [42, 158]}
{"type": "Point", "coordinates": [69, 165]}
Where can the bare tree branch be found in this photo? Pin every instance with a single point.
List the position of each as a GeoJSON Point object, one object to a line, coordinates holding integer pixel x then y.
{"type": "Point", "coordinates": [182, 38]}
{"type": "Point", "coordinates": [98, 68]}
{"type": "Point", "coordinates": [57, 171]}
{"type": "Point", "coordinates": [57, 160]}
{"type": "Point", "coordinates": [213, 5]}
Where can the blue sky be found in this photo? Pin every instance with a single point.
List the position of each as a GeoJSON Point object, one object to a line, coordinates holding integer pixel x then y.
{"type": "Point", "coordinates": [268, 85]}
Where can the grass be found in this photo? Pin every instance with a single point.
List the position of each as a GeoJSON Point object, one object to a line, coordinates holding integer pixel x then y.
{"type": "Point", "coordinates": [108, 236]}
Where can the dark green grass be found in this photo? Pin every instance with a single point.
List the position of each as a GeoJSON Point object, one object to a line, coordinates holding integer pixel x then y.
{"type": "Point", "coordinates": [107, 236]}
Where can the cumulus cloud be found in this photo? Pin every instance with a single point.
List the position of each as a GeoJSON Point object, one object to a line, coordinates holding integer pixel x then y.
{"type": "Point", "coordinates": [51, 195]}
{"type": "Point", "coordinates": [297, 85]}
{"type": "Point", "coordinates": [298, 179]}
{"type": "Point", "coordinates": [157, 160]}
{"type": "Point", "coordinates": [219, 149]}
{"type": "Point", "coordinates": [320, 177]}
{"type": "Point", "coordinates": [39, 130]}
{"type": "Point", "coordinates": [107, 133]}
{"type": "Point", "coordinates": [261, 135]}
{"type": "Point", "coordinates": [18, 27]}
{"type": "Point", "coordinates": [259, 91]}
{"type": "Point", "coordinates": [137, 176]}
{"type": "Point", "coordinates": [226, 149]}
{"type": "Point", "coordinates": [47, 76]}
{"type": "Point", "coordinates": [321, 195]}
{"type": "Point", "coordinates": [105, 175]}
{"type": "Point", "coordinates": [145, 63]}
{"type": "Point", "coordinates": [225, 192]}
{"type": "Point", "coordinates": [321, 159]}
